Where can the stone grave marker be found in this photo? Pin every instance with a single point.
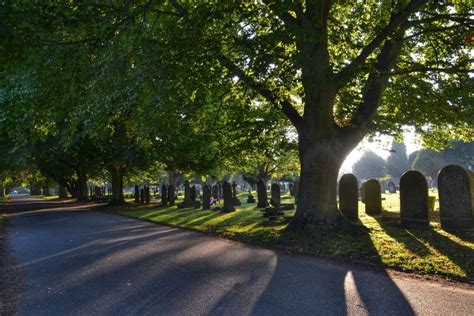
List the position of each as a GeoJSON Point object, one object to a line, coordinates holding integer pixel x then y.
{"type": "Point", "coordinates": [373, 198]}
{"type": "Point", "coordinates": [206, 197]}
{"type": "Point", "coordinates": [262, 194]}
{"type": "Point", "coordinates": [234, 194]}
{"type": "Point", "coordinates": [137, 194]}
{"type": "Point", "coordinates": [456, 198]}
{"type": "Point", "coordinates": [414, 200]}
{"type": "Point", "coordinates": [164, 195]}
{"type": "Point", "coordinates": [349, 196]}
{"type": "Point", "coordinates": [392, 188]}
{"type": "Point", "coordinates": [228, 199]}
{"type": "Point", "coordinates": [362, 191]}
{"type": "Point", "coordinates": [147, 194]}
{"type": "Point", "coordinates": [275, 197]}
{"type": "Point", "coordinates": [142, 195]}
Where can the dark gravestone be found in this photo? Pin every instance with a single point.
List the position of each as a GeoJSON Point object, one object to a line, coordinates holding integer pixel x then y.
{"type": "Point", "coordinates": [234, 194]}
{"type": "Point", "coordinates": [147, 194]}
{"type": "Point", "coordinates": [349, 196]}
{"type": "Point", "coordinates": [228, 199]}
{"type": "Point", "coordinates": [373, 198]}
{"type": "Point", "coordinates": [292, 189]}
{"type": "Point", "coordinates": [164, 195]}
{"type": "Point", "coordinates": [456, 198]}
{"type": "Point", "coordinates": [392, 188]}
{"type": "Point", "coordinates": [297, 190]}
{"type": "Point", "coordinates": [275, 198]}
{"type": "Point", "coordinates": [221, 194]}
{"type": "Point", "coordinates": [137, 194]}
{"type": "Point", "coordinates": [142, 196]}
{"type": "Point", "coordinates": [362, 191]}
{"type": "Point", "coordinates": [171, 196]}
{"type": "Point", "coordinates": [262, 194]}
{"type": "Point", "coordinates": [192, 193]}
{"type": "Point", "coordinates": [414, 200]}
{"type": "Point", "coordinates": [187, 192]}
{"type": "Point", "coordinates": [215, 192]}
{"type": "Point", "coordinates": [206, 197]}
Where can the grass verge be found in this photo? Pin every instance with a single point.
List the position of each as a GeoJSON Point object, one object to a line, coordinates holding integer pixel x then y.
{"type": "Point", "coordinates": [381, 240]}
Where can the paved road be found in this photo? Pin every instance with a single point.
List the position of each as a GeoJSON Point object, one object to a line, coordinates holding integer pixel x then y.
{"type": "Point", "coordinates": [82, 262]}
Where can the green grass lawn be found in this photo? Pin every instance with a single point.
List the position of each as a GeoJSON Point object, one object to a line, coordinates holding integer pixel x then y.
{"type": "Point", "coordinates": [379, 240]}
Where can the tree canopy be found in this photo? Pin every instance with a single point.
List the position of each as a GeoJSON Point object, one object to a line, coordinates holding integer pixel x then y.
{"type": "Point", "coordinates": [208, 86]}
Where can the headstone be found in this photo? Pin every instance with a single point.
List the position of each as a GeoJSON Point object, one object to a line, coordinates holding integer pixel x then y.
{"type": "Point", "coordinates": [137, 194]}
{"type": "Point", "coordinates": [262, 194]}
{"type": "Point", "coordinates": [147, 194]}
{"type": "Point", "coordinates": [275, 199]}
{"type": "Point", "coordinates": [362, 191]}
{"type": "Point", "coordinates": [171, 196]}
{"type": "Point", "coordinates": [215, 192]}
{"type": "Point", "coordinates": [349, 196]}
{"type": "Point", "coordinates": [192, 193]}
{"type": "Point", "coordinates": [234, 194]}
{"type": "Point", "coordinates": [187, 191]}
{"type": "Point", "coordinates": [392, 188]}
{"type": "Point", "coordinates": [228, 199]}
{"type": "Point", "coordinates": [221, 193]}
{"type": "Point", "coordinates": [297, 190]}
{"type": "Point", "coordinates": [189, 197]}
{"type": "Point", "coordinates": [456, 198]}
{"type": "Point", "coordinates": [292, 189]}
{"type": "Point", "coordinates": [164, 195]}
{"type": "Point", "coordinates": [206, 197]}
{"type": "Point", "coordinates": [142, 196]}
{"type": "Point", "coordinates": [373, 198]}
{"type": "Point", "coordinates": [414, 200]}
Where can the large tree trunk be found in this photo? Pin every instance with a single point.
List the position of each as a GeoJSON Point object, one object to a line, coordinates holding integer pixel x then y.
{"type": "Point", "coordinates": [117, 173]}
{"type": "Point", "coordinates": [62, 193]}
{"type": "Point", "coordinates": [320, 161]}
{"type": "Point", "coordinates": [82, 186]}
{"type": "Point", "coordinates": [172, 177]}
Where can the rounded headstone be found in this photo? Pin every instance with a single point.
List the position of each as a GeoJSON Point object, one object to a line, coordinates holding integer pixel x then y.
{"type": "Point", "coordinates": [456, 194]}
{"type": "Point", "coordinates": [373, 197]}
{"type": "Point", "coordinates": [414, 200]}
{"type": "Point", "coordinates": [349, 196]}
{"type": "Point", "coordinates": [164, 195]}
{"type": "Point", "coordinates": [206, 197]}
{"type": "Point", "coordinates": [262, 194]}
{"type": "Point", "coordinates": [228, 198]}
{"type": "Point", "coordinates": [275, 195]}
{"type": "Point", "coordinates": [362, 191]}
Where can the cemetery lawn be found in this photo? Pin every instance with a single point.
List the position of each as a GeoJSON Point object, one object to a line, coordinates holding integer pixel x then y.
{"type": "Point", "coordinates": [377, 240]}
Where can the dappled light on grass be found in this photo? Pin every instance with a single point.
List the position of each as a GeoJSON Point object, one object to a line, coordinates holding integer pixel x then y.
{"type": "Point", "coordinates": [379, 240]}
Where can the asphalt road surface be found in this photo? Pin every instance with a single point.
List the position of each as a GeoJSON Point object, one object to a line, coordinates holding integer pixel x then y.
{"type": "Point", "coordinates": [81, 262]}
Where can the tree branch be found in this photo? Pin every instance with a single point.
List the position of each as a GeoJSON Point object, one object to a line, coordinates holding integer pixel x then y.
{"type": "Point", "coordinates": [396, 20]}
{"type": "Point", "coordinates": [283, 105]}
{"type": "Point", "coordinates": [376, 83]}
{"type": "Point", "coordinates": [432, 69]}
{"type": "Point", "coordinates": [289, 20]}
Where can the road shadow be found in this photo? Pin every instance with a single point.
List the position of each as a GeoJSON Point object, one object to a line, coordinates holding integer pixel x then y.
{"type": "Point", "coordinates": [88, 262]}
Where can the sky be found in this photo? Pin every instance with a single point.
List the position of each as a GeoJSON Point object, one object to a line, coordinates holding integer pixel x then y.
{"type": "Point", "coordinates": [381, 146]}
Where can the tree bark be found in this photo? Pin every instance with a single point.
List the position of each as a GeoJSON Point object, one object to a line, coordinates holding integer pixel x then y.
{"type": "Point", "coordinates": [321, 159]}
{"type": "Point", "coordinates": [82, 193]}
{"type": "Point", "coordinates": [117, 173]}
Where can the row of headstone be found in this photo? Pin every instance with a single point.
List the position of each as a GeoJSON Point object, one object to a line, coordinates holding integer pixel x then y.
{"type": "Point", "coordinates": [142, 195]}
{"type": "Point", "coordinates": [456, 198]}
